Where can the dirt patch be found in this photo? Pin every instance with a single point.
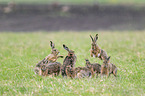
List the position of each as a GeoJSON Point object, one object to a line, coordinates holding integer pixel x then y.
{"type": "Point", "coordinates": [76, 18]}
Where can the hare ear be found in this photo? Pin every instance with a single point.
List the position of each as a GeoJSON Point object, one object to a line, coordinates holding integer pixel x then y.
{"type": "Point", "coordinates": [92, 38]}
{"type": "Point", "coordinates": [108, 59]}
{"type": "Point", "coordinates": [96, 38]}
{"type": "Point", "coordinates": [86, 60]}
{"type": "Point", "coordinates": [65, 47]}
{"type": "Point", "coordinates": [52, 45]}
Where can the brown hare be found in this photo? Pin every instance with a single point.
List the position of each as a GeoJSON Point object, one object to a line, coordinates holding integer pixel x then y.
{"type": "Point", "coordinates": [48, 59]}
{"type": "Point", "coordinates": [69, 60]}
{"type": "Point", "coordinates": [96, 51]}
{"type": "Point", "coordinates": [51, 69]}
{"type": "Point", "coordinates": [37, 68]}
{"type": "Point", "coordinates": [96, 67]}
{"type": "Point", "coordinates": [54, 54]}
{"type": "Point", "coordinates": [108, 68]}
{"type": "Point", "coordinates": [79, 72]}
{"type": "Point", "coordinates": [82, 72]}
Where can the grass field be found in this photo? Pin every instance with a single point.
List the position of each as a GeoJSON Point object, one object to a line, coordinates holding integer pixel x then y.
{"type": "Point", "coordinates": [19, 53]}
{"type": "Point", "coordinates": [79, 1]}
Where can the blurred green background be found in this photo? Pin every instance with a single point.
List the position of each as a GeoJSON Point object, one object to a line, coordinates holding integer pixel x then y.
{"type": "Point", "coordinates": [124, 2]}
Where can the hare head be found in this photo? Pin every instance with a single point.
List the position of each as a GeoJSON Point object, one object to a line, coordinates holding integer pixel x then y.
{"type": "Point", "coordinates": [70, 52]}
{"type": "Point", "coordinates": [88, 64]}
{"type": "Point", "coordinates": [106, 62]}
{"type": "Point", "coordinates": [43, 67]}
{"type": "Point", "coordinates": [54, 50]}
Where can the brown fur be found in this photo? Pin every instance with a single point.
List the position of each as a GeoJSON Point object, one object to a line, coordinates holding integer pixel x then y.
{"type": "Point", "coordinates": [96, 67]}
{"type": "Point", "coordinates": [70, 72]}
{"type": "Point", "coordinates": [82, 72]}
{"type": "Point", "coordinates": [96, 51]}
{"type": "Point", "coordinates": [51, 69]}
{"type": "Point", "coordinates": [69, 60]}
{"type": "Point", "coordinates": [37, 69]}
{"type": "Point", "coordinates": [108, 68]}
{"type": "Point", "coordinates": [53, 56]}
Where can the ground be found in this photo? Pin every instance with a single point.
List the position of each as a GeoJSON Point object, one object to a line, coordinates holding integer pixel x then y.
{"type": "Point", "coordinates": [76, 18]}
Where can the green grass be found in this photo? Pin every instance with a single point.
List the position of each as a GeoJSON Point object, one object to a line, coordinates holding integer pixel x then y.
{"type": "Point", "coordinates": [114, 2]}
{"type": "Point", "coordinates": [19, 53]}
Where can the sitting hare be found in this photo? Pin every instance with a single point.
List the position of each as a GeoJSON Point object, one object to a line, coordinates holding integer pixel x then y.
{"type": "Point", "coordinates": [69, 60]}
{"type": "Point", "coordinates": [96, 67]}
{"type": "Point", "coordinates": [108, 68]}
{"type": "Point", "coordinates": [96, 51]}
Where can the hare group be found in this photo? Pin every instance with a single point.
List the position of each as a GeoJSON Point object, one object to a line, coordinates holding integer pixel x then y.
{"type": "Point", "coordinates": [50, 66]}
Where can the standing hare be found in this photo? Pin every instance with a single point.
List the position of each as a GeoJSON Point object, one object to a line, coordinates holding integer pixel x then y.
{"type": "Point", "coordinates": [96, 51]}
{"type": "Point", "coordinates": [108, 68]}
{"type": "Point", "coordinates": [96, 67]}
{"type": "Point", "coordinates": [69, 60]}
{"type": "Point", "coordinates": [54, 52]}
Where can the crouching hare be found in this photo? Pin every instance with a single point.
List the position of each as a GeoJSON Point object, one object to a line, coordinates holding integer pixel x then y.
{"type": "Point", "coordinates": [108, 68]}
{"type": "Point", "coordinates": [51, 69]}
{"type": "Point", "coordinates": [84, 72]}
{"type": "Point", "coordinates": [96, 67]}
{"type": "Point", "coordinates": [79, 72]}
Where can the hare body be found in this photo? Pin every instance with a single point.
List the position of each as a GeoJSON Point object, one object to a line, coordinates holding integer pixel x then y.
{"type": "Point", "coordinates": [82, 72]}
{"type": "Point", "coordinates": [96, 51]}
{"type": "Point", "coordinates": [51, 69]}
{"type": "Point", "coordinates": [96, 67]}
{"type": "Point", "coordinates": [69, 60]}
{"type": "Point", "coordinates": [108, 68]}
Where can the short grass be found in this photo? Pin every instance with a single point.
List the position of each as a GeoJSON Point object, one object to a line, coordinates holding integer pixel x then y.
{"type": "Point", "coordinates": [114, 2]}
{"type": "Point", "coordinates": [19, 53]}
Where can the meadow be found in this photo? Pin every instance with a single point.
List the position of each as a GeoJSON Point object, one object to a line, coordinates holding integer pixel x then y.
{"type": "Point", "coordinates": [20, 52]}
